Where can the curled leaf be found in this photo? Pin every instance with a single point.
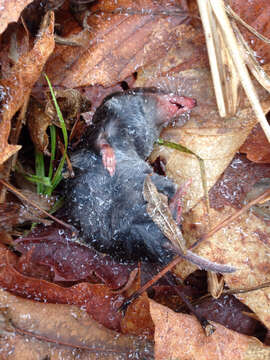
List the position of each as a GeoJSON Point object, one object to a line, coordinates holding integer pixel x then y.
{"type": "Point", "coordinates": [160, 213]}
{"type": "Point", "coordinates": [18, 86]}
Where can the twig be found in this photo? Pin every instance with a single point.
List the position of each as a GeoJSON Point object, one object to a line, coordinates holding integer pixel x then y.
{"type": "Point", "coordinates": [34, 204]}
{"type": "Point", "coordinates": [151, 282]}
{"type": "Point", "coordinates": [232, 217]}
{"type": "Point", "coordinates": [229, 292]}
{"type": "Point", "coordinates": [242, 291]}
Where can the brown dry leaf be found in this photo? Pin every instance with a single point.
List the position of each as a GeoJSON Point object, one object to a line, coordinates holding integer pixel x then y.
{"type": "Point", "coordinates": [21, 347]}
{"type": "Point", "coordinates": [117, 45]}
{"type": "Point", "coordinates": [15, 346]}
{"type": "Point", "coordinates": [15, 42]}
{"type": "Point", "coordinates": [23, 76]}
{"type": "Point", "coordinates": [71, 103]}
{"type": "Point", "coordinates": [5, 237]}
{"type": "Point", "coordinates": [180, 336]}
{"type": "Point", "coordinates": [10, 11]}
{"type": "Point", "coordinates": [38, 123]}
{"type": "Point", "coordinates": [67, 327]}
{"type": "Point", "coordinates": [40, 115]}
{"type": "Point", "coordinates": [212, 138]}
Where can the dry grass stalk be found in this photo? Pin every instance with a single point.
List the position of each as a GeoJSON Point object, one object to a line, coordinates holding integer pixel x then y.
{"type": "Point", "coordinates": [209, 25]}
{"type": "Point", "coordinates": [217, 26]}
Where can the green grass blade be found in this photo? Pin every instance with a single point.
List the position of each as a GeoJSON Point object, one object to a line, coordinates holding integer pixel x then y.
{"type": "Point", "coordinates": [175, 146]}
{"type": "Point", "coordinates": [53, 149]}
{"type": "Point", "coordinates": [201, 164]}
{"type": "Point", "coordinates": [40, 170]}
{"type": "Point", "coordinates": [59, 113]}
{"type": "Point", "coordinates": [58, 174]}
{"type": "Point", "coordinates": [44, 180]}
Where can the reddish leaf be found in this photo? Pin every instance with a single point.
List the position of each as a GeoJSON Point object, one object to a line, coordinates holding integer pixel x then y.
{"type": "Point", "coordinates": [98, 300]}
{"type": "Point", "coordinates": [70, 261]}
{"type": "Point", "coordinates": [137, 319]}
{"type": "Point", "coordinates": [24, 74]}
{"type": "Point", "coordinates": [228, 311]}
{"type": "Point", "coordinates": [118, 44]}
{"type": "Point", "coordinates": [26, 267]}
{"type": "Point", "coordinates": [14, 213]}
{"type": "Point", "coordinates": [257, 146]}
{"type": "Point", "coordinates": [236, 182]}
{"type": "Point", "coordinates": [257, 15]}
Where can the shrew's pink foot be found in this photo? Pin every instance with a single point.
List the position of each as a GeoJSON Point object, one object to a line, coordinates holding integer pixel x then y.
{"type": "Point", "coordinates": [108, 158]}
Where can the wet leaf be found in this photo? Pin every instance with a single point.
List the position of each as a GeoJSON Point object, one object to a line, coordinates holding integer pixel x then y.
{"type": "Point", "coordinates": [256, 146]}
{"type": "Point", "coordinates": [23, 76]}
{"type": "Point", "coordinates": [244, 243]}
{"type": "Point", "coordinates": [10, 11]}
{"type": "Point", "coordinates": [181, 336]}
{"type": "Point", "coordinates": [256, 15]}
{"type": "Point", "coordinates": [230, 312]}
{"type": "Point", "coordinates": [118, 44]}
{"type": "Point", "coordinates": [12, 214]}
{"type": "Point", "coordinates": [137, 319]}
{"type": "Point", "coordinates": [69, 260]}
{"type": "Point", "coordinates": [237, 180]}
{"type": "Point", "coordinates": [48, 327]}
{"type": "Point", "coordinates": [98, 300]}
